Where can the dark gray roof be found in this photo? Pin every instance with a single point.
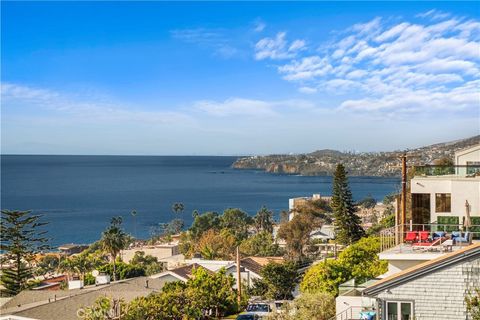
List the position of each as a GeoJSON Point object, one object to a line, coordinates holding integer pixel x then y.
{"type": "Point", "coordinates": [186, 271]}
{"type": "Point", "coordinates": [35, 304]}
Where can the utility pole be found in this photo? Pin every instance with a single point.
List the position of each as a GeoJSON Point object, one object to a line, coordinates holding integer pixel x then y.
{"type": "Point", "coordinates": [239, 278]}
{"type": "Point", "coordinates": [403, 218]}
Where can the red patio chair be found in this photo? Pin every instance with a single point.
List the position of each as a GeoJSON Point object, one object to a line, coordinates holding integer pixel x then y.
{"type": "Point", "coordinates": [411, 236]}
{"type": "Point", "coordinates": [423, 236]}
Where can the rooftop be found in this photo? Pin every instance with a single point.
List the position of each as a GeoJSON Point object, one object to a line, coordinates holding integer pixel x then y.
{"type": "Point", "coordinates": [405, 251]}
{"type": "Point", "coordinates": [64, 304]}
{"type": "Point", "coordinates": [444, 260]}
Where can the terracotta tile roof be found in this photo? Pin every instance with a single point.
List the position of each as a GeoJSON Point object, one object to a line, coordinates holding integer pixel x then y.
{"type": "Point", "coordinates": [256, 264]}
{"type": "Point", "coordinates": [473, 249]}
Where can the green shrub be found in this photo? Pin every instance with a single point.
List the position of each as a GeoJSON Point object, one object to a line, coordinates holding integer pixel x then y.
{"type": "Point", "coordinates": [359, 261]}
{"type": "Point", "coordinates": [451, 220]}
{"type": "Point", "coordinates": [89, 279]}
{"type": "Point", "coordinates": [476, 223]}
{"type": "Point", "coordinates": [124, 271]}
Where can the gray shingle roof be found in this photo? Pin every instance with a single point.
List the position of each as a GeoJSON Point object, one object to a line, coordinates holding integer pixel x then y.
{"type": "Point", "coordinates": [35, 304]}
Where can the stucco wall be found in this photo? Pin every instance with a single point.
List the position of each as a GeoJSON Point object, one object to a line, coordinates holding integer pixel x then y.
{"type": "Point", "coordinates": [472, 154]}
{"type": "Point", "coordinates": [357, 303]}
{"type": "Point", "coordinates": [439, 295]}
{"type": "Point", "coordinates": [460, 190]}
{"type": "Point", "coordinates": [158, 252]}
{"type": "Point", "coordinates": [395, 266]}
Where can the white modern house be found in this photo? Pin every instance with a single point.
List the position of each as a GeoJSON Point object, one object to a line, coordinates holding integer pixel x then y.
{"type": "Point", "coordinates": [443, 195]}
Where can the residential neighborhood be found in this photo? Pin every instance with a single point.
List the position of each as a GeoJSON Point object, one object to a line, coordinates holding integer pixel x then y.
{"type": "Point", "coordinates": [240, 160]}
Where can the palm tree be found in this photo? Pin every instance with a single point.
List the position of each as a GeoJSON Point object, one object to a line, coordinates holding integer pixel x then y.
{"type": "Point", "coordinates": [178, 207]}
{"type": "Point", "coordinates": [79, 264]}
{"type": "Point", "coordinates": [84, 264]}
{"type": "Point", "coordinates": [114, 239]}
{"type": "Point", "coordinates": [68, 266]}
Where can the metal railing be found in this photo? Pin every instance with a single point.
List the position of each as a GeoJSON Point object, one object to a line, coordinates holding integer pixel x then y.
{"type": "Point", "coordinates": [389, 238]}
{"type": "Point", "coordinates": [393, 236]}
{"type": "Point", "coordinates": [352, 313]}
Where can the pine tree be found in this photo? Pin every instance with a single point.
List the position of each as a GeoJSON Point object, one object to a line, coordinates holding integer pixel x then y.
{"type": "Point", "coordinates": [20, 240]}
{"type": "Point", "coordinates": [347, 223]}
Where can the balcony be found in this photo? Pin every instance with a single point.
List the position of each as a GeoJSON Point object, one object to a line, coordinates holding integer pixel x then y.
{"type": "Point", "coordinates": [413, 239]}
{"type": "Point", "coordinates": [453, 171]}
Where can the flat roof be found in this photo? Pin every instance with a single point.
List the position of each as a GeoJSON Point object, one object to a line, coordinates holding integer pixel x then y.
{"type": "Point", "coordinates": [411, 273]}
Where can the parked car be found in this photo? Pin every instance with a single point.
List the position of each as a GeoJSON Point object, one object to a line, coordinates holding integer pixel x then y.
{"type": "Point", "coordinates": [259, 308]}
{"type": "Point", "coordinates": [248, 316]}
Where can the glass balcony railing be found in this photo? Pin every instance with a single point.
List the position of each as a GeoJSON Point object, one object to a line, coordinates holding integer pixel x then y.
{"type": "Point", "coordinates": [470, 170]}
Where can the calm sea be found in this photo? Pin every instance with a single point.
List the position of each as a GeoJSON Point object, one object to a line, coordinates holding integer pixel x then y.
{"type": "Point", "coordinates": [79, 194]}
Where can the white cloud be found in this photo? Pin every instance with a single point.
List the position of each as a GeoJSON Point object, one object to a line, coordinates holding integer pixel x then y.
{"type": "Point", "coordinates": [259, 26]}
{"type": "Point", "coordinates": [433, 14]}
{"type": "Point", "coordinates": [278, 48]}
{"type": "Point", "coordinates": [393, 65]}
{"type": "Point", "coordinates": [83, 108]}
{"type": "Point", "coordinates": [11, 91]}
{"type": "Point", "coordinates": [392, 32]}
{"type": "Point", "coordinates": [369, 28]}
{"type": "Point", "coordinates": [459, 98]}
{"type": "Point", "coordinates": [307, 90]}
{"type": "Point", "coordinates": [249, 107]}
{"type": "Point", "coordinates": [306, 68]}
{"type": "Point", "coordinates": [207, 38]}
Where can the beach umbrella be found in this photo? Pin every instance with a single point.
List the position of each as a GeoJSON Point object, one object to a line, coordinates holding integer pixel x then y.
{"type": "Point", "coordinates": [467, 223]}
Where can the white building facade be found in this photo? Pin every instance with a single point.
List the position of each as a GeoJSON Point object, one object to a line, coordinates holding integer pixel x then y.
{"type": "Point", "coordinates": [445, 196]}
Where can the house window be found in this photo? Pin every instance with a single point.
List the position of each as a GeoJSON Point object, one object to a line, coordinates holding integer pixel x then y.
{"type": "Point", "coordinates": [399, 310]}
{"type": "Point", "coordinates": [443, 202]}
{"type": "Point", "coordinates": [473, 167]}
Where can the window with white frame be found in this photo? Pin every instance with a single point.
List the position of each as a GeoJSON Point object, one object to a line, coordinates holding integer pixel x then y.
{"type": "Point", "coordinates": [399, 310]}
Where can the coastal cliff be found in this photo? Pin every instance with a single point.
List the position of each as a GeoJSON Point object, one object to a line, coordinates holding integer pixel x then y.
{"type": "Point", "coordinates": [323, 162]}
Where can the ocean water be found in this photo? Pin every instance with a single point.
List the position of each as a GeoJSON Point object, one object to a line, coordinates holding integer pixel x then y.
{"type": "Point", "coordinates": [79, 194]}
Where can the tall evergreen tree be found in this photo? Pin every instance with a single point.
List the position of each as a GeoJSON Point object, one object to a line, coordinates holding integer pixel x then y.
{"type": "Point", "coordinates": [21, 238]}
{"type": "Point", "coordinates": [347, 223]}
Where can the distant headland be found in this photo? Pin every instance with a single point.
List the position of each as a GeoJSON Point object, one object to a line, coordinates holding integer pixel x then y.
{"type": "Point", "coordinates": [381, 164]}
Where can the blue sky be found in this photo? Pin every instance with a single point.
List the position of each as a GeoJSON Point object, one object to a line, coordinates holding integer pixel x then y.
{"type": "Point", "coordinates": [237, 78]}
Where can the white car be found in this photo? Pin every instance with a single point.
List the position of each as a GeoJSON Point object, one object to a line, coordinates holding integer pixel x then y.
{"type": "Point", "coordinates": [259, 308]}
